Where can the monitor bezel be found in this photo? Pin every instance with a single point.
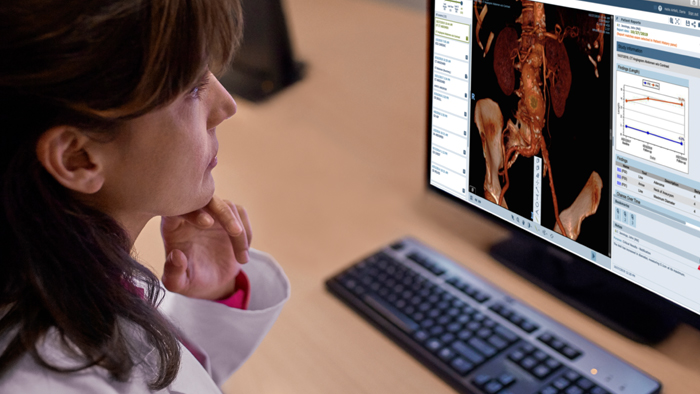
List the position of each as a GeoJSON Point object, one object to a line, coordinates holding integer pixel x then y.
{"type": "Point", "coordinates": [682, 313]}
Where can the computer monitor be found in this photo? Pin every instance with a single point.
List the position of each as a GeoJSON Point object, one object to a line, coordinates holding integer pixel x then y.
{"type": "Point", "coordinates": [575, 123]}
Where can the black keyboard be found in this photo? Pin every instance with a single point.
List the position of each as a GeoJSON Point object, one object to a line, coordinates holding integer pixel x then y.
{"type": "Point", "coordinates": [474, 335]}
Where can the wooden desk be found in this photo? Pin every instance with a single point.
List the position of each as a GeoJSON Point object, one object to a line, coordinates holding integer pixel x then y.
{"type": "Point", "coordinates": [332, 169]}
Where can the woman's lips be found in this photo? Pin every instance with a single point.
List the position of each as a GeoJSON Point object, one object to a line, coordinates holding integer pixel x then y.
{"type": "Point", "coordinates": [213, 162]}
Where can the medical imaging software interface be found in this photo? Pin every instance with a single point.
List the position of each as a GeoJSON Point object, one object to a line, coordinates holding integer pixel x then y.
{"type": "Point", "coordinates": [574, 121]}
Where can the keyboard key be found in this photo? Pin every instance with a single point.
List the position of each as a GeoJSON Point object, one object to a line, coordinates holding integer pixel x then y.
{"type": "Point", "coordinates": [573, 390]}
{"type": "Point", "coordinates": [427, 323]}
{"type": "Point", "coordinates": [516, 356]}
{"type": "Point", "coordinates": [506, 379]}
{"type": "Point", "coordinates": [572, 375]}
{"type": "Point", "coordinates": [433, 344]}
{"type": "Point", "coordinates": [549, 390]}
{"type": "Point", "coordinates": [481, 297]}
{"type": "Point", "coordinates": [489, 323]}
{"type": "Point", "coordinates": [585, 383]}
{"type": "Point", "coordinates": [546, 337]}
{"type": "Point", "coordinates": [506, 313]}
{"type": "Point", "coordinates": [464, 335]}
{"type": "Point", "coordinates": [434, 313]}
{"type": "Point", "coordinates": [473, 326]}
{"type": "Point", "coordinates": [570, 352]}
{"type": "Point", "coordinates": [497, 342]}
{"type": "Point", "coordinates": [486, 349]}
{"type": "Point", "coordinates": [529, 327]}
{"type": "Point", "coordinates": [506, 333]}
{"type": "Point", "coordinates": [484, 333]}
{"type": "Point", "coordinates": [461, 365]}
{"type": "Point", "coordinates": [397, 245]}
{"type": "Point", "coordinates": [528, 363]}
{"type": "Point", "coordinates": [447, 337]}
{"type": "Point", "coordinates": [454, 327]}
{"type": "Point", "coordinates": [420, 336]}
{"type": "Point", "coordinates": [539, 355]}
{"type": "Point", "coordinates": [463, 319]}
{"type": "Point", "coordinates": [556, 344]}
{"type": "Point", "coordinates": [467, 352]}
{"type": "Point", "coordinates": [560, 383]}
{"type": "Point", "coordinates": [541, 371]}
{"type": "Point", "coordinates": [436, 330]}
{"type": "Point", "coordinates": [469, 310]}
{"type": "Point", "coordinates": [350, 284]}
{"type": "Point", "coordinates": [446, 354]}
{"type": "Point", "coordinates": [453, 312]}
{"type": "Point", "coordinates": [481, 380]}
{"type": "Point", "coordinates": [396, 317]}
{"type": "Point", "coordinates": [552, 363]}
{"type": "Point", "coordinates": [527, 348]}
{"type": "Point", "coordinates": [444, 319]}
{"type": "Point", "coordinates": [493, 387]}
{"type": "Point", "coordinates": [437, 270]}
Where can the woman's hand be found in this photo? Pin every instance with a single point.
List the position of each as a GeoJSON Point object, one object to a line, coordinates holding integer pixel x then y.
{"type": "Point", "coordinates": [204, 249]}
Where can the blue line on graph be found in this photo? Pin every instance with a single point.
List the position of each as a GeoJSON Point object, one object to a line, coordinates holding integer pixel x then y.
{"type": "Point", "coordinates": [646, 132]}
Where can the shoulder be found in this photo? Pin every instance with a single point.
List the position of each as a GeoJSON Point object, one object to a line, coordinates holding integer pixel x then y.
{"type": "Point", "coordinates": [29, 377]}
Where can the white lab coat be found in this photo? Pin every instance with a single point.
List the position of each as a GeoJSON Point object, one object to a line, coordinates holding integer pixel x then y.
{"type": "Point", "coordinates": [225, 336]}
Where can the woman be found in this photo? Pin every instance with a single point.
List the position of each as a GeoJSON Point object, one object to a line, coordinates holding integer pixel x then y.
{"type": "Point", "coordinates": [108, 115]}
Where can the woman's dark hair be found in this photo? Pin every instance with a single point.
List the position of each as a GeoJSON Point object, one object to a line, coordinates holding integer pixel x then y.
{"type": "Point", "coordinates": [91, 64]}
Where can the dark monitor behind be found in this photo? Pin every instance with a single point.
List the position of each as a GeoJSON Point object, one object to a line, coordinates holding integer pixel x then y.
{"type": "Point", "coordinates": [568, 122]}
{"type": "Point", "coordinates": [265, 63]}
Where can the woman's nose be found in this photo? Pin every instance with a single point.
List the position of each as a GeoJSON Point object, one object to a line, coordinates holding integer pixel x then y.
{"type": "Point", "coordinates": [223, 105]}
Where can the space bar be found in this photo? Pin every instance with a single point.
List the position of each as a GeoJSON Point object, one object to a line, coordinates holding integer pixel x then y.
{"type": "Point", "coordinates": [391, 313]}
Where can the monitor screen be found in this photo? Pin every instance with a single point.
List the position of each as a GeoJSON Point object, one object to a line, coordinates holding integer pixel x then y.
{"type": "Point", "coordinates": [572, 120]}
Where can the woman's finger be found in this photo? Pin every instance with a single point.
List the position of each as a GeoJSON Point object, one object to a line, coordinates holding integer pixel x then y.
{"type": "Point", "coordinates": [199, 218]}
{"type": "Point", "coordinates": [243, 214]}
{"type": "Point", "coordinates": [175, 271]}
{"type": "Point", "coordinates": [240, 242]}
{"type": "Point", "coordinates": [226, 216]}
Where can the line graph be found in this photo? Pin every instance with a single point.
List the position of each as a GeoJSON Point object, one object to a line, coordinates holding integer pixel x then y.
{"type": "Point", "coordinates": [653, 120]}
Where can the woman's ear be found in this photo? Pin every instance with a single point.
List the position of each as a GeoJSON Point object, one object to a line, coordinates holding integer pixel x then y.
{"type": "Point", "coordinates": [67, 154]}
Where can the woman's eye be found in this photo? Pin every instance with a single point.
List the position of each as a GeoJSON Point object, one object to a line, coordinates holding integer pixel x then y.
{"type": "Point", "coordinates": [196, 92]}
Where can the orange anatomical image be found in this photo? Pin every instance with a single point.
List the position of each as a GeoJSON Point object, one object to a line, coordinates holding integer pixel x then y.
{"type": "Point", "coordinates": [541, 93]}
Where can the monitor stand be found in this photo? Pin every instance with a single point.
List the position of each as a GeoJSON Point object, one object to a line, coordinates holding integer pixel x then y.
{"type": "Point", "coordinates": [607, 298]}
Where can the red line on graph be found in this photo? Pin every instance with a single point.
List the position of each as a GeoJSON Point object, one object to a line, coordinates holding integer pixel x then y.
{"type": "Point", "coordinates": [649, 98]}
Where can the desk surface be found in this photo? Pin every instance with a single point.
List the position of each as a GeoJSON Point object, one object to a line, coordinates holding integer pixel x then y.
{"type": "Point", "coordinates": [333, 168]}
